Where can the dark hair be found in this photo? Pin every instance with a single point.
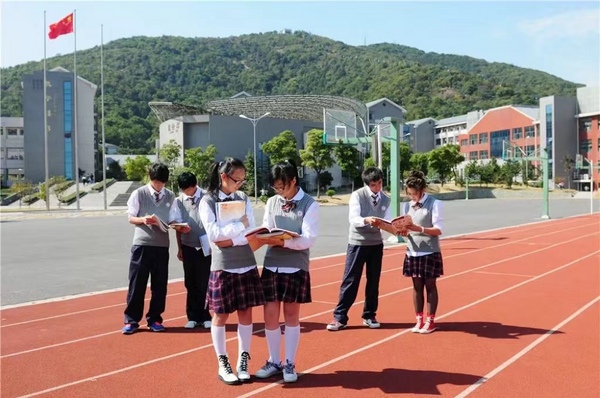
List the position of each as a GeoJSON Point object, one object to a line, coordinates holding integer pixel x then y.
{"type": "Point", "coordinates": [159, 172]}
{"type": "Point", "coordinates": [285, 172]}
{"type": "Point", "coordinates": [227, 166]}
{"type": "Point", "coordinates": [416, 180]}
{"type": "Point", "coordinates": [372, 174]}
{"type": "Point", "coordinates": [186, 180]}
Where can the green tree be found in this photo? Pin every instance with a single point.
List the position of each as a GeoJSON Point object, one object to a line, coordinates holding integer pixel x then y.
{"type": "Point", "coordinates": [509, 170]}
{"type": "Point", "coordinates": [489, 173]}
{"type": "Point", "coordinates": [281, 148]}
{"type": "Point", "coordinates": [170, 154]}
{"type": "Point", "coordinates": [136, 169]}
{"type": "Point", "coordinates": [569, 165]}
{"type": "Point", "coordinates": [316, 155]}
{"type": "Point", "coordinates": [347, 157]}
{"type": "Point", "coordinates": [198, 161]}
{"type": "Point", "coordinates": [420, 161]}
{"type": "Point", "coordinates": [444, 160]}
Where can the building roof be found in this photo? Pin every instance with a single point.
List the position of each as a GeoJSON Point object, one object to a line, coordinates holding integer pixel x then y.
{"type": "Point", "coordinates": [380, 100]}
{"type": "Point", "coordinates": [533, 111]}
{"type": "Point", "coordinates": [451, 121]}
{"type": "Point", "coordinates": [79, 78]}
{"type": "Point", "coordinates": [420, 121]}
{"type": "Point", "coordinates": [9, 121]}
{"type": "Point", "coordinates": [297, 107]}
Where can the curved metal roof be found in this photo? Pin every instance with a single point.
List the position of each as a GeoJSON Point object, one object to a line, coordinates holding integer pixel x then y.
{"type": "Point", "coordinates": [298, 107]}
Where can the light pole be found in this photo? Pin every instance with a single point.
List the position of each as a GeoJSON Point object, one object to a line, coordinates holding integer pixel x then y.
{"type": "Point", "coordinates": [254, 122]}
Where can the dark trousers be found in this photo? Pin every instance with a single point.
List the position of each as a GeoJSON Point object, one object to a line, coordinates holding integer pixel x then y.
{"type": "Point", "coordinates": [356, 258]}
{"type": "Point", "coordinates": [196, 271]}
{"type": "Point", "coordinates": [146, 262]}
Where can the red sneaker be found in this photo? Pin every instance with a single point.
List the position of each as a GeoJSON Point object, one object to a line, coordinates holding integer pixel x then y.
{"type": "Point", "coordinates": [428, 327]}
{"type": "Point", "coordinates": [419, 325]}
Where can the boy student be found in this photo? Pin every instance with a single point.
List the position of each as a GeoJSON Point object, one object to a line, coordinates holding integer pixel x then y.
{"type": "Point", "coordinates": [150, 250]}
{"type": "Point", "coordinates": [365, 245]}
{"type": "Point", "coordinates": [423, 262]}
{"type": "Point", "coordinates": [193, 249]}
{"type": "Point", "coordinates": [285, 276]}
{"type": "Point", "coordinates": [234, 282]}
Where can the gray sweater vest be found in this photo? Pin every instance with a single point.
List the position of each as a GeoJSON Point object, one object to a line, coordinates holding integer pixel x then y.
{"type": "Point", "coordinates": [368, 235]}
{"type": "Point", "coordinates": [150, 235]}
{"type": "Point", "coordinates": [292, 221]}
{"type": "Point", "coordinates": [416, 241]}
{"type": "Point", "coordinates": [232, 257]}
{"type": "Point", "coordinates": [190, 215]}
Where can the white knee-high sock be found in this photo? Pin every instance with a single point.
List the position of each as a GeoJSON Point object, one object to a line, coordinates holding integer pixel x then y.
{"type": "Point", "coordinates": [244, 333]}
{"type": "Point", "coordinates": [292, 339]}
{"type": "Point", "coordinates": [274, 344]}
{"type": "Point", "coordinates": [218, 338]}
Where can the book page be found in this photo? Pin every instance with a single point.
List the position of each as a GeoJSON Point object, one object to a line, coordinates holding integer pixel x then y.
{"type": "Point", "coordinates": [228, 212]}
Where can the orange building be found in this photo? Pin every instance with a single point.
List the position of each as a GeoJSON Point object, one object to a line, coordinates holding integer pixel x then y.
{"type": "Point", "coordinates": [588, 122]}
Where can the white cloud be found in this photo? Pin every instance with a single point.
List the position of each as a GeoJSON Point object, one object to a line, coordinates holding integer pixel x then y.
{"type": "Point", "coordinates": [574, 24]}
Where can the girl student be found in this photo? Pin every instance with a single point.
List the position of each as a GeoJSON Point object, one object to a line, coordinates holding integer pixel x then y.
{"type": "Point", "coordinates": [423, 261]}
{"type": "Point", "coordinates": [234, 282]}
{"type": "Point", "coordinates": [285, 276]}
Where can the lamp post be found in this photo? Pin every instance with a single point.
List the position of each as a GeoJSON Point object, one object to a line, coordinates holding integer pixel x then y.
{"type": "Point", "coordinates": [254, 122]}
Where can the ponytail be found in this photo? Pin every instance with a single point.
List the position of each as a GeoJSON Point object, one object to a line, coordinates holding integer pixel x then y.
{"type": "Point", "coordinates": [227, 166]}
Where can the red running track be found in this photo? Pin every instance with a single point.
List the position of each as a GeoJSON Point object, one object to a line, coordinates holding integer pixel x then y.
{"type": "Point", "coordinates": [518, 316]}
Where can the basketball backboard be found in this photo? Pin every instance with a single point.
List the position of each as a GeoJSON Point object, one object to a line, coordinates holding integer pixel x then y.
{"type": "Point", "coordinates": [340, 125]}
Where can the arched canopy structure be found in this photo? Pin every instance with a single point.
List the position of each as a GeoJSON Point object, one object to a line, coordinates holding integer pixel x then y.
{"type": "Point", "coordinates": [298, 107]}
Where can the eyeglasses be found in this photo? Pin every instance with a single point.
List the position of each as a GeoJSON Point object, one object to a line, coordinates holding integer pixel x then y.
{"type": "Point", "coordinates": [279, 188]}
{"type": "Point", "coordinates": [238, 182]}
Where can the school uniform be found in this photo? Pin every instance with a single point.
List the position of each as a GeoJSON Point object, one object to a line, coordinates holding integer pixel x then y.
{"type": "Point", "coordinates": [286, 277]}
{"type": "Point", "coordinates": [195, 249]}
{"type": "Point", "coordinates": [365, 246]}
{"type": "Point", "coordinates": [423, 253]}
{"type": "Point", "coordinates": [149, 259]}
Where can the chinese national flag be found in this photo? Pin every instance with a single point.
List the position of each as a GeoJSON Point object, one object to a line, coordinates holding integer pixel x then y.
{"type": "Point", "coordinates": [62, 27]}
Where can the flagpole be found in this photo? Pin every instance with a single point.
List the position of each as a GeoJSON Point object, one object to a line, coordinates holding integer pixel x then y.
{"type": "Point", "coordinates": [46, 187]}
{"type": "Point", "coordinates": [102, 114]}
{"type": "Point", "coordinates": [75, 133]}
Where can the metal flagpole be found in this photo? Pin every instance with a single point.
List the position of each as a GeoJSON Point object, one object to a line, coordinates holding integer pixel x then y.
{"type": "Point", "coordinates": [102, 113]}
{"type": "Point", "coordinates": [46, 187]}
{"type": "Point", "coordinates": [75, 134]}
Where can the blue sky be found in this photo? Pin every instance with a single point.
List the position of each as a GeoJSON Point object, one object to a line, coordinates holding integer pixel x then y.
{"type": "Point", "coordinates": [561, 38]}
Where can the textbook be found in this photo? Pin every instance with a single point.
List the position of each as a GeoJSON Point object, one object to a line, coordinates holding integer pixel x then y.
{"type": "Point", "coordinates": [232, 211]}
{"type": "Point", "coordinates": [163, 226]}
{"type": "Point", "coordinates": [264, 232]}
{"type": "Point", "coordinates": [393, 225]}
{"type": "Point", "coordinates": [395, 221]}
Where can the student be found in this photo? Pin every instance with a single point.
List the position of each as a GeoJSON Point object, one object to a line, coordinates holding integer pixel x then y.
{"type": "Point", "coordinates": [150, 250]}
{"type": "Point", "coordinates": [423, 262]}
{"type": "Point", "coordinates": [365, 245]}
{"type": "Point", "coordinates": [234, 283]}
{"type": "Point", "coordinates": [193, 250]}
{"type": "Point", "coordinates": [285, 276]}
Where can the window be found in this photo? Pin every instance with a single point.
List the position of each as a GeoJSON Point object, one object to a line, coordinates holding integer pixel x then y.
{"type": "Point", "coordinates": [517, 133]}
{"type": "Point", "coordinates": [548, 121]}
{"type": "Point", "coordinates": [585, 125]}
{"type": "Point", "coordinates": [473, 155]}
{"type": "Point", "coordinates": [497, 139]}
{"type": "Point", "coordinates": [585, 146]}
{"type": "Point", "coordinates": [14, 153]}
{"type": "Point", "coordinates": [530, 131]}
{"type": "Point", "coordinates": [464, 142]}
{"type": "Point", "coordinates": [473, 139]}
{"type": "Point", "coordinates": [483, 138]}
{"type": "Point", "coordinates": [68, 128]}
{"type": "Point", "coordinates": [483, 154]}
{"type": "Point", "coordinates": [13, 132]}
{"type": "Point", "coordinates": [68, 159]}
{"type": "Point", "coordinates": [438, 142]}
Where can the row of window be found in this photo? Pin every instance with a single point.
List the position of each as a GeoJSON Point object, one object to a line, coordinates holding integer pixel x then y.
{"type": "Point", "coordinates": [12, 131]}
{"type": "Point", "coordinates": [585, 125]}
{"type": "Point", "coordinates": [482, 138]}
{"type": "Point", "coordinates": [585, 146]}
{"type": "Point", "coordinates": [12, 153]}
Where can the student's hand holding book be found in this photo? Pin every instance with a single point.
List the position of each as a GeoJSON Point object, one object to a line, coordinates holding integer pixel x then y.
{"type": "Point", "coordinates": [224, 243]}
{"type": "Point", "coordinates": [150, 220]}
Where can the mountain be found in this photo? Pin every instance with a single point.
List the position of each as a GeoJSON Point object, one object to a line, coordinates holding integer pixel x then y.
{"type": "Point", "coordinates": [196, 70]}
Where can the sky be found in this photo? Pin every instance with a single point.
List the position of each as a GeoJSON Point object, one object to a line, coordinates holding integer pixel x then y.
{"type": "Point", "coordinates": [561, 38]}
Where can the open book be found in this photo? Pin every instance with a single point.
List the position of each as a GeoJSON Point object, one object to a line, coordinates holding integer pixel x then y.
{"type": "Point", "coordinates": [232, 211]}
{"type": "Point", "coordinates": [163, 226]}
{"type": "Point", "coordinates": [264, 232]}
{"type": "Point", "coordinates": [392, 225]}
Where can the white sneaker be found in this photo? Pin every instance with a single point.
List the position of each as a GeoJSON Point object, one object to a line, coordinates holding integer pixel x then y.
{"type": "Point", "coordinates": [191, 325]}
{"type": "Point", "coordinates": [226, 374]}
{"type": "Point", "coordinates": [371, 323]}
{"type": "Point", "coordinates": [289, 373]}
{"type": "Point", "coordinates": [418, 326]}
{"type": "Point", "coordinates": [242, 368]}
{"type": "Point", "coordinates": [269, 369]}
{"type": "Point", "coordinates": [206, 324]}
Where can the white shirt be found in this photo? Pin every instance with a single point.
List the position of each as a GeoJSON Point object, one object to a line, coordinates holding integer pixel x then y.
{"type": "Point", "coordinates": [354, 216]}
{"type": "Point", "coordinates": [133, 203]}
{"type": "Point", "coordinates": [437, 219]}
{"type": "Point", "coordinates": [310, 231]}
{"type": "Point", "coordinates": [234, 231]}
{"type": "Point", "coordinates": [175, 215]}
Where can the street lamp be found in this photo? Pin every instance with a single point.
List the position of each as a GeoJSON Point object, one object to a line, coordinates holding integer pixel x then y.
{"type": "Point", "coordinates": [254, 122]}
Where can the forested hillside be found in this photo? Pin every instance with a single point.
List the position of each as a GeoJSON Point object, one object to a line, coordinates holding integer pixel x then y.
{"type": "Point", "coordinates": [196, 70]}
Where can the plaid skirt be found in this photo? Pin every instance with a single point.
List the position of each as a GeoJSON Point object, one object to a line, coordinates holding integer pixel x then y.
{"type": "Point", "coordinates": [286, 287]}
{"type": "Point", "coordinates": [429, 266]}
{"type": "Point", "coordinates": [229, 292]}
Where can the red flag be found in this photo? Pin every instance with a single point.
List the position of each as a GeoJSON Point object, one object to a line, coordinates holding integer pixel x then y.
{"type": "Point", "coordinates": [62, 27]}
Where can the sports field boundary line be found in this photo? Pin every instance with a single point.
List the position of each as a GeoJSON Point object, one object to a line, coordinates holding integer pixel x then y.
{"type": "Point", "coordinates": [405, 331]}
{"type": "Point", "coordinates": [385, 256]}
{"type": "Point", "coordinates": [525, 350]}
{"type": "Point", "coordinates": [314, 368]}
{"type": "Point", "coordinates": [392, 293]}
{"type": "Point", "coordinates": [176, 280]}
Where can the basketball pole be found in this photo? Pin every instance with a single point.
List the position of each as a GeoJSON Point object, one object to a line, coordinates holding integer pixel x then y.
{"type": "Point", "coordinates": [545, 182]}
